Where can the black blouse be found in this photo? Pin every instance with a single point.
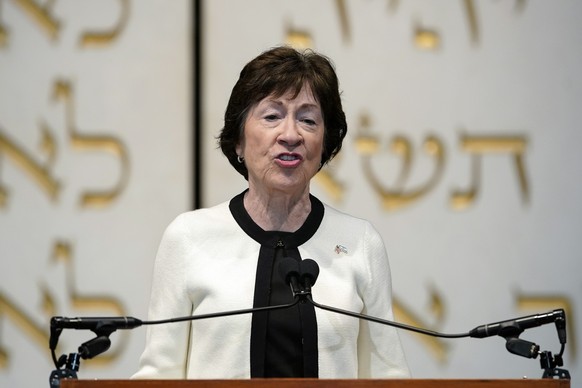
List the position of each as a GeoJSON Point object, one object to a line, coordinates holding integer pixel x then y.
{"type": "Point", "coordinates": [283, 342]}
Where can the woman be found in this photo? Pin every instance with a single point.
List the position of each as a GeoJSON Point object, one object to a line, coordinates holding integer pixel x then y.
{"type": "Point", "coordinates": [283, 122]}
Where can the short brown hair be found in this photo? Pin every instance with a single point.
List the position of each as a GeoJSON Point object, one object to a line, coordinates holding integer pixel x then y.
{"type": "Point", "coordinates": [276, 72]}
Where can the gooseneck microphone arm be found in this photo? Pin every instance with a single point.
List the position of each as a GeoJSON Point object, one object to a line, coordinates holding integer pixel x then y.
{"type": "Point", "coordinates": [104, 326]}
{"type": "Point", "coordinates": [384, 321]}
{"type": "Point", "coordinates": [223, 314]}
{"type": "Point", "coordinates": [506, 329]}
{"type": "Point", "coordinates": [307, 272]}
{"type": "Point", "coordinates": [510, 329]}
{"type": "Point", "coordinates": [67, 367]}
{"type": "Point", "coordinates": [301, 276]}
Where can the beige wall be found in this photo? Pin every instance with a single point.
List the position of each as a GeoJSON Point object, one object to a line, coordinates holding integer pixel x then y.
{"type": "Point", "coordinates": [95, 147]}
{"type": "Point", "coordinates": [485, 227]}
{"type": "Point", "coordinates": [95, 143]}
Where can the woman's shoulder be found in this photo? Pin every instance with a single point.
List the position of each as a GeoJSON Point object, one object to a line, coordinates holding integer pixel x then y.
{"type": "Point", "coordinates": [335, 215]}
{"type": "Point", "coordinates": [201, 219]}
{"type": "Point", "coordinates": [349, 226]}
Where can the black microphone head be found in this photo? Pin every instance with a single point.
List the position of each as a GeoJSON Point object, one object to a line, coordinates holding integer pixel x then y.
{"type": "Point", "coordinates": [309, 270]}
{"type": "Point", "coordinates": [288, 268]}
{"type": "Point", "coordinates": [94, 347]}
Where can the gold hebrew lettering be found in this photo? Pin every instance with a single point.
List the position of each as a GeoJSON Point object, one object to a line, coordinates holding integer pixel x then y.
{"type": "Point", "coordinates": [437, 307]}
{"type": "Point", "coordinates": [395, 199]}
{"type": "Point", "coordinates": [435, 345]}
{"type": "Point", "coordinates": [426, 39]}
{"type": "Point", "coordinates": [366, 143]}
{"type": "Point", "coordinates": [48, 144]}
{"type": "Point", "coordinates": [41, 14]}
{"type": "Point", "coordinates": [471, 14]}
{"type": "Point", "coordinates": [332, 186]}
{"type": "Point", "coordinates": [104, 143]}
{"type": "Point", "coordinates": [104, 38]}
{"type": "Point", "coordinates": [479, 146]}
{"type": "Point", "coordinates": [3, 31]}
{"type": "Point", "coordinates": [299, 39]}
{"type": "Point", "coordinates": [48, 303]}
{"type": "Point", "coordinates": [343, 20]}
{"type": "Point", "coordinates": [114, 146]}
{"type": "Point", "coordinates": [402, 147]}
{"type": "Point", "coordinates": [62, 252]}
{"type": "Point", "coordinates": [38, 333]}
{"type": "Point", "coordinates": [462, 199]}
{"type": "Point", "coordinates": [39, 173]}
{"type": "Point", "coordinates": [399, 197]}
{"type": "Point", "coordinates": [3, 35]}
{"type": "Point", "coordinates": [538, 303]}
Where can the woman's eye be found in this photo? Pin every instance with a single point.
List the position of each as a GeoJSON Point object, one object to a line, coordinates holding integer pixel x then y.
{"type": "Point", "coordinates": [271, 117]}
{"type": "Point", "coordinates": [309, 121]}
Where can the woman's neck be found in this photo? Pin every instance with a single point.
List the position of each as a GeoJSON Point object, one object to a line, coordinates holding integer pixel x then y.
{"type": "Point", "coordinates": [278, 211]}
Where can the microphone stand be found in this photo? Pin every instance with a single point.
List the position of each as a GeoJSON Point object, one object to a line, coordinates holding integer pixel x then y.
{"type": "Point", "coordinates": [309, 298]}
{"type": "Point", "coordinates": [301, 276]}
{"type": "Point", "coordinates": [308, 270]}
{"type": "Point", "coordinates": [515, 345]}
{"type": "Point", "coordinates": [68, 366]}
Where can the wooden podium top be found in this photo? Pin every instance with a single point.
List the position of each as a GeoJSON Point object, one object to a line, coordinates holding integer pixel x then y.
{"type": "Point", "coordinates": [319, 383]}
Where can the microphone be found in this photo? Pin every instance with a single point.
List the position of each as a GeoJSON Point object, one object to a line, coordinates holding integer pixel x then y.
{"type": "Point", "coordinates": [300, 276]}
{"type": "Point", "coordinates": [513, 327]}
{"type": "Point", "coordinates": [309, 273]}
{"type": "Point", "coordinates": [509, 329]}
{"type": "Point", "coordinates": [94, 347]}
{"type": "Point", "coordinates": [289, 271]}
{"type": "Point", "coordinates": [104, 326]}
{"type": "Point", "coordinates": [96, 324]}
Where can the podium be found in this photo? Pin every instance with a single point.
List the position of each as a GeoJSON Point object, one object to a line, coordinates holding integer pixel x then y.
{"type": "Point", "coordinates": [319, 383]}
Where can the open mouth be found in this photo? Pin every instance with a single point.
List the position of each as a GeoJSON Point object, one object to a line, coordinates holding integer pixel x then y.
{"type": "Point", "coordinates": [289, 160]}
{"type": "Point", "coordinates": [288, 157]}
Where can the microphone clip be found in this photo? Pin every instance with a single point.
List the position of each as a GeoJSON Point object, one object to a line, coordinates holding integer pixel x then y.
{"type": "Point", "coordinates": [516, 345]}
{"type": "Point", "coordinates": [68, 366]}
{"type": "Point", "coordinates": [549, 364]}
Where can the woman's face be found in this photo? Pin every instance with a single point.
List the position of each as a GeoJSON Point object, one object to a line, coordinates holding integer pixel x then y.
{"type": "Point", "coordinates": [282, 142]}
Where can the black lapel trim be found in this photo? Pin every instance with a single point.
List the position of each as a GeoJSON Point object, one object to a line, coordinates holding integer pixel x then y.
{"type": "Point", "coordinates": [269, 238]}
{"type": "Point", "coordinates": [310, 349]}
{"type": "Point", "coordinates": [260, 320]}
{"type": "Point", "coordinates": [268, 241]}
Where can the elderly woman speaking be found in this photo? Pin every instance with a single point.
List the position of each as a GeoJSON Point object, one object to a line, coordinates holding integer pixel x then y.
{"type": "Point", "coordinates": [284, 121]}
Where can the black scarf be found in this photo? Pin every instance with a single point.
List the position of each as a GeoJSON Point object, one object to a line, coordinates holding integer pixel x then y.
{"type": "Point", "coordinates": [283, 342]}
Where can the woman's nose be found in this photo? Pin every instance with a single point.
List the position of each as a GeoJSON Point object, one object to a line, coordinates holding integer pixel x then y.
{"type": "Point", "coordinates": [290, 132]}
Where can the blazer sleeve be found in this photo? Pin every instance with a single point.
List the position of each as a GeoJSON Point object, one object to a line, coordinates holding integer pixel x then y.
{"type": "Point", "coordinates": [166, 349]}
{"type": "Point", "coordinates": [380, 353]}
